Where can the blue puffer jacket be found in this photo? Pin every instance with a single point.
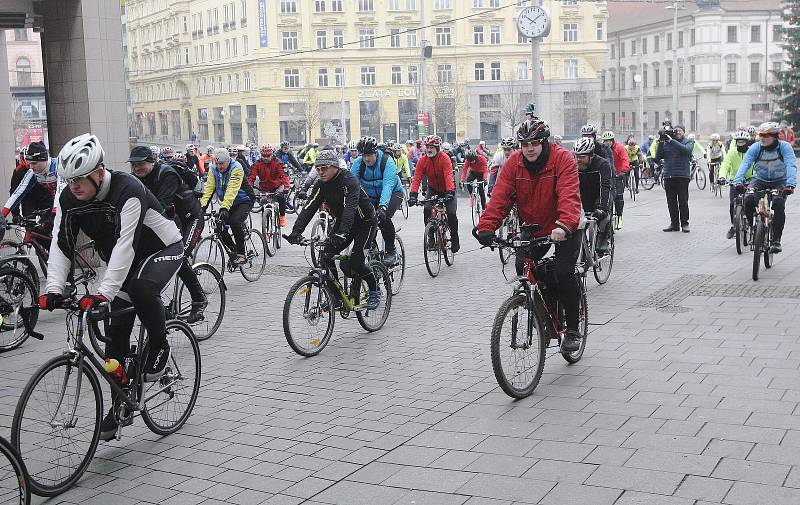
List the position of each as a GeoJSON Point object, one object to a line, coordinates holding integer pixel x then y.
{"type": "Point", "coordinates": [677, 156]}
{"type": "Point", "coordinates": [379, 186]}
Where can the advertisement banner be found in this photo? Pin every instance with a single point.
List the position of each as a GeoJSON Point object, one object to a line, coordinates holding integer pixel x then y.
{"type": "Point", "coordinates": [262, 23]}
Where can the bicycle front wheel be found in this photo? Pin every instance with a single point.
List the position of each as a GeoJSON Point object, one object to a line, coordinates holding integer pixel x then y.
{"type": "Point", "coordinates": [168, 402]}
{"type": "Point", "coordinates": [583, 326]}
{"type": "Point", "coordinates": [700, 178]}
{"type": "Point", "coordinates": [210, 250]}
{"type": "Point", "coordinates": [768, 236]}
{"type": "Point", "coordinates": [255, 246]}
{"type": "Point", "coordinates": [56, 425]}
{"type": "Point", "coordinates": [603, 264]}
{"type": "Point", "coordinates": [739, 228]}
{"type": "Point", "coordinates": [518, 348]}
{"type": "Point", "coordinates": [373, 320]}
{"type": "Point", "coordinates": [214, 288]}
{"type": "Point", "coordinates": [14, 480]}
{"type": "Point", "coordinates": [404, 205]}
{"type": "Point", "coordinates": [432, 250]}
{"type": "Point", "coordinates": [398, 271]}
{"type": "Point", "coordinates": [268, 227]}
{"type": "Point", "coordinates": [758, 245]}
{"type": "Point", "coordinates": [446, 243]}
{"type": "Point", "coordinates": [320, 230]}
{"type": "Point", "coordinates": [18, 300]}
{"type": "Point", "coordinates": [308, 316]}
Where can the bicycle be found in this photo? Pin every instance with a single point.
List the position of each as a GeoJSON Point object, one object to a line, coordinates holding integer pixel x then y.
{"type": "Point", "coordinates": [698, 174]}
{"type": "Point", "coordinates": [762, 232]}
{"type": "Point", "coordinates": [630, 181]}
{"type": "Point", "coordinates": [713, 170]}
{"type": "Point", "coordinates": [316, 298]}
{"type": "Point", "coordinates": [270, 220]}
{"type": "Point", "coordinates": [542, 321]}
{"type": "Point", "coordinates": [404, 204]}
{"type": "Point", "coordinates": [321, 228]}
{"type": "Point", "coordinates": [19, 309]}
{"type": "Point", "coordinates": [740, 226]}
{"type": "Point", "coordinates": [56, 425]}
{"type": "Point", "coordinates": [590, 257]}
{"type": "Point", "coordinates": [475, 200]}
{"type": "Point", "coordinates": [508, 230]}
{"type": "Point", "coordinates": [650, 175]}
{"type": "Point", "coordinates": [211, 249]}
{"type": "Point", "coordinates": [397, 270]}
{"type": "Point", "coordinates": [437, 240]}
{"type": "Point", "coordinates": [14, 480]}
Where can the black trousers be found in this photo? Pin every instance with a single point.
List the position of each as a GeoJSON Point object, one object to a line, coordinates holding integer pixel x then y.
{"type": "Point", "coordinates": [677, 190]}
{"type": "Point", "coordinates": [191, 231]}
{"type": "Point", "coordinates": [452, 207]}
{"type": "Point", "coordinates": [361, 234]}
{"type": "Point", "coordinates": [236, 218]}
{"type": "Point", "coordinates": [386, 225]}
{"type": "Point", "coordinates": [778, 205]}
{"type": "Point", "coordinates": [472, 176]}
{"type": "Point", "coordinates": [619, 193]}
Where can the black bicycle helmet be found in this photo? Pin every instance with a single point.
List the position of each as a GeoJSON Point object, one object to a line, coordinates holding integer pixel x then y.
{"type": "Point", "coordinates": [533, 129]}
{"type": "Point", "coordinates": [368, 145]}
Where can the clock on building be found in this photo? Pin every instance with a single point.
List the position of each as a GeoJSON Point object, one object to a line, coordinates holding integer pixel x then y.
{"type": "Point", "coordinates": [534, 22]}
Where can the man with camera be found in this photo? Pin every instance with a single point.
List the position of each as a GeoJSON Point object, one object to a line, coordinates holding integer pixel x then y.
{"type": "Point", "coordinates": [676, 151]}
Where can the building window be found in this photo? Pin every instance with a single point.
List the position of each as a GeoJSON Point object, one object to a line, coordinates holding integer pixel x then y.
{"type": "Point", "coordinates": [443, 36]}
{"type": "Point", "coordinates": [480, 72]}
{"type": "Point", "coordinates": [287, 6]}
{"type": "Point", "coordinates": [246, 79]}
{"type": "Point", "coordinates": [731, 120]}
{"type": "Point", "coordinates": [322, 39]}
{"type": "Point", "coordinates": [291, 78]}
{"type": "Point", "coordinates": [477, 3]}
{"type": "Point", "coordinates": [731, 73]}
{"type": "Point", "coordinates": [755, 33]}
{"type": "Point", "coordinates": [245, 45]}
{"type": "Point", "coordinates": [24, 72]}
{"type": "Point", "coordinates": [599, 30]}
{"type": "Point", "coordinates": [489, 101]}
{"type": "Point", "coordinates": [319, 6]}
{"type": "Point", "coordinates": [494, 3]}
{"type": "Point", "coordinates": [339, 76]}
{"type": "Point", "coordinates": [644, 45]}
{"type": "Point", "coordinates": [477, 35]}
{"type": "Point", "coordinates": [394, 5]}
{"type": "Point", "coordinates": [732, 34]}
{"type": "Point", "coordinates": [397, 75]}
{"type": "Point", "coordinates": [21, 34]}
{"type": "Point", "coordinates": [522, 70]}
{"type": "Point", "coordinates": [633, 48]}
{"type": "Point", "coordinates": [570, 69]}
{"type": "Point", "coordinates": [565, 3]}
{"type": "Point", "coordinates": [322, 77]}
{"type": "Point", "coordinates": [621, 78]}
{"type": "Point", "coordinates": [366, 37]}
{"type": "Point", "coordinates": [622, 50]}
{"type": "Point", "coordinates": [669, 41]}
{"type": "Point", "coordinates": [442, 4]}
{"type": "Point", "coordinates": [338, 38]}
{"type": "Point", "coordinates": [656, 43]}
{"type": "Point", "coordinates": [669, 76]}
{"type": "Point", "coordinates": [755, 71]}
{"type": "Point", "coordinates": [444, 72]}
{"type": "Point", "coordinates": [494, 35]}
{"type": "Point", "coordinates": [613, 51]}
{"type": "Point", "coordinates": [411, 38]}
{"type": "Point", "coordinates": [612, 80]}
{"type": "Point", "coordinates": [336, 5]}
{"type": "Point", "coordinates": [777, 34]}
{"type": "Point", "coordinates": [570, 32]}
{"type": "Point", "coordinates": [365, 6]}
{"type": "Point", "coordinates": [394, 38]}
{"type": "Point", "coordinates": [693, 120]}
{"type": "Point", "coordinates": [413, 74]}
{"type": "Point", "coordinates": [602, 81]}
{"type": "Point", "coordinates": [521, 39]}
{"type": "Point", "coordinates": [692, 37]}
{"type": "Point", "coordinates": [680, 39]}
{"type": "Point", "coordinates": [368, 76]}
{"type": "Point", "coordinates": [496, 71]}
{"type": "Point", "coordinates": [289, 40]}
{"type": "Point", "coordinates": [613, 120]}
{"type": "Point", "coordinates": [776, 68]}
{"type": "Point", "coordinates": [692, 73]}
{"type": "Point", "coordinates": [411, 5]}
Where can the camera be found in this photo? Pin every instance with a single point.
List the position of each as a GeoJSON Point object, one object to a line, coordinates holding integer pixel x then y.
{"type": "Point", "coordinates": [667, 131]}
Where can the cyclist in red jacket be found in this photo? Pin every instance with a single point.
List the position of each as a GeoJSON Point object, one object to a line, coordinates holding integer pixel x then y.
{"type": "Point", "coordinates": [271, 178]}
{"type": "Point", "coordinates": [476, 168]}
{"type": "Point", "coordinates": [542, 179]}
{"type": "Point", "coordinates": [438, 168]}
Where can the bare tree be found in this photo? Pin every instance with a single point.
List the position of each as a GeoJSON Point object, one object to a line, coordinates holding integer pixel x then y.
{"type": "Point", "coordinates": [512, 103]}
{"type": "Point", "coordinates": [311, 111]}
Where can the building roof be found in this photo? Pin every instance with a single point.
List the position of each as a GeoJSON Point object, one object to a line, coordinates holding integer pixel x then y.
{"type": "Point", "coordinates": [624, 15]}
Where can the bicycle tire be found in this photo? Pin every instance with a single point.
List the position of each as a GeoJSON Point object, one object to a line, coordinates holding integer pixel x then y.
{"type": "Point", "coordinates": [16, 482]}
{"type": "Point", "coordinates": [324, 308]}
{"type": "Point", "coordinates": [583, 326]}
{"type": "Point", "coordinates": [209, 250]}
{"type": "Point", "coordinates": [13, 286]}
{"type": "Point", "coordinates": [647, 182]}
{"type": "Point", "coordinates": [268, 227]}
{"type": "Point", "coordinates": [737, 228]}
{"type": "Point", "coordinates": [319, 229]}
{"type": "Point", "coordinates": [446, 242]}
{"type": "Point", "coordinates": [506, 253]}
{"type": "Point", "coordinates": [700, 178]}
{"type": "Point", "coordinates": [602, 274]}
{"type": "Point", "coordinates": [10, 256]}
{"type": "Point", "coordinates": [41, 484]}
{"type": "Point", "coordinates": [214, 289]}
{"type": "Point", "coordinates": [398, 271]}
{"type": "Point", "coordinates": [384, 283]}
{"type": "Point", "coordinates": [515, 303]}
{"type": "Point", "coordinates": [433, 252]}
{"type": "Point", "coordinates": [276, 236]}
{"type": "Point", "coordinates": [404, 204]}
{"type": "Point", "coordinates": [758, 244]}
{"type": "Point", "coordinates": [768, 254]}
{"type": "Point", "coordinates": [256, 262]}
{"type": "Point", "coordinates": [176, 371]}
{"type": "Point", "coordinates": [87, 260]}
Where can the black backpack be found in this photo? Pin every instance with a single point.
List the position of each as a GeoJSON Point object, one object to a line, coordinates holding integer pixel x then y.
{"type": "Point", "coordinates": [187, 175]}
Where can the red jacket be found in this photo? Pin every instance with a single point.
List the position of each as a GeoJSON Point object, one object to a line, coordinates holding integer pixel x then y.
{"type": "Point", "coordinates": [270, 175]}
{"type": "Point", "coordinates": [479, 167]}
{"type": "Point", "coordinates": [439, 171]}
{"type": "Point", "coordinates": [549, 198]}
{"type": "Point", "coordinates": [621, 160]}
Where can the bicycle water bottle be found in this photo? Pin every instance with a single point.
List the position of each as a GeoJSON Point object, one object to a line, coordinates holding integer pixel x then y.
{"type": "Point", "coordinates": [115, 369]}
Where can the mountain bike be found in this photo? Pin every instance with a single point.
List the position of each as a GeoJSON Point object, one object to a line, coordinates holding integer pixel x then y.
{"type": "Point", "coordinates": [14, 481]}
{"type": "Point", "coordinates": [309, 312]}
{"type": "Point", "coordinates": [404, 204]}
{"type": "Point", "coordinates": [590, 257]}
{"type": "Point", "coordinates": [630, 181]}
{"type": "Point", "coordinates": [475, 200]}
{"type": "Point", "coordinates": [698, 174]}
{"type": "Point", "coordinates": [762, 232]}
{"type": "Point", "coordinates": [270, 220]}
{"type": "Point", "coordinates": [213, 250]}
{"type": "Point", "coordinates": [437, 240]}
{"type": "Point", "coordinates": [397, 270]}
{"type": "Point", "coordinates": [531, 319]}
{"type": "Point", "coordinates": [56, 425]}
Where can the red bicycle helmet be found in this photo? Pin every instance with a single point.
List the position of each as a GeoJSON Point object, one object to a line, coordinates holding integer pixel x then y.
{"type": "Point", "coordinates": [433, 140]}
{"type": "Point", "coordinates": [267, 150]}
{"type": "Point", "coordinates": [533, 129]}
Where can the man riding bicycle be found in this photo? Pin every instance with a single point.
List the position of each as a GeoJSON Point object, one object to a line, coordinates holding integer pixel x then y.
{"type": "Point", "coordinates": [271, 178]}
{"type": "Point", "coordinates": [142, 248]}
{"type": "Point", "coordinates": [727, 171]}
{"type": "Point", "coordinates": [595, 177]}
{"type": "Point", "coordinates": [507, 146]}
{"type": "Point", "coordinates": [376, 171]}
{"type": "Point", "coordinates": [355, 219]}
{"type": "Point", "coordinates": [622, 167]}
{"type": "Point", "coordinates": [287, 157]}
{"type": "Point", "coordinates": [542, 180]}
{"type": "Point", "coordinates": [775, 168]}
{"type": "Point", "coordinates": [475, 169]}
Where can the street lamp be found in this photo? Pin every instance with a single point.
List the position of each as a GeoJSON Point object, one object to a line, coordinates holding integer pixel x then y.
{"type": "Point", "coordinates": [675, 6]}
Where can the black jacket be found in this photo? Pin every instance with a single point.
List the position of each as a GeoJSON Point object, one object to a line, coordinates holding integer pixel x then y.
{"type": "Point", "coordinates": [601, 149]}
{"type": "Point", "coordinates": [172, 193]}
{"type": "Point", "coordinates": [595, 183]}
{"type": "Point", "coordinates": [347, 200]}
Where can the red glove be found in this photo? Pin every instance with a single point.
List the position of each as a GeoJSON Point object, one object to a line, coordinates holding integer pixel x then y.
{"type": "Point", "coordinates": [89, 302]}
{"type": "Point", "coordinates": [788, 190]}
{"type": "Point", "coordinates": [50, 301]}
{"type": "Point", "coordinates": [741, 188]}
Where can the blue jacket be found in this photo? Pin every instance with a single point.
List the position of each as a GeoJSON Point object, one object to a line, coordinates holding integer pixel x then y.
{"type": "Point", "coordinates": [379, 186]}
{"type": "Point", "coordinates": [768, 167]}
{"type": "Point", "coordinates": [677, 156]}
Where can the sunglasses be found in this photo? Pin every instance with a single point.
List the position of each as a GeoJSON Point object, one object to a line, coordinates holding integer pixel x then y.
{"type": "Point", "coordinates": [79, 179]}
{"type": "Point", "coordinates": [530, 143]}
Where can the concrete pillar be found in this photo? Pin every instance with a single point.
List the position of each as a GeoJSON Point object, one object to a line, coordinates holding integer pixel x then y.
{"type": "Point", "coordinates": [84, 75]}
{"type": "Point", "coordinates": [6, 127]}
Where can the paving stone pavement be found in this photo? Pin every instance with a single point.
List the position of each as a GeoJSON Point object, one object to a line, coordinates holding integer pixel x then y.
{"type": "Point", "coordinates": [687, 394]}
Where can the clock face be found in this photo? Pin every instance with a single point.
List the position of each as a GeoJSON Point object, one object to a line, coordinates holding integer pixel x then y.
{"type": "Point", "coordinates": [533, 22]}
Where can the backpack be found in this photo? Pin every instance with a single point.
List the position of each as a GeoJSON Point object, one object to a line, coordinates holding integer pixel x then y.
{"type": "Point", "coordinates": [363, 166]}
{"type": "Point", "coordinates": [185, 202]}
{"type": "Point", "coordinates": [187, 175]}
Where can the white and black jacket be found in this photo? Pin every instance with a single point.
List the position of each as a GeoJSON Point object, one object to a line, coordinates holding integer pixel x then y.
{"type": "Point", "coordinates": [126, 223]}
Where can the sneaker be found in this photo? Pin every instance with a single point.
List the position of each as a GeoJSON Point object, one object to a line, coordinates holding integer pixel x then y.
{"type": "Point", "coordinates": [390, 258]}
{"type": "Point", "coordinates": [730, 233]}
{"type": "Point", "coordinates": [671, 228]}
{"type": "Point", "coordinates": [239, 259]}
{"type": "Point", "coordinates": [109, 426]}
{"type": "Point", "coordinates": [196, 315]}
{"type": "Point", "coordinates": [776, 247]}
{"type": "Point", "coordinates": [156, 363]}
{"type": "Point", "coordinates": [571, 341]}
{"type": "Point", "coordinates": [282, 221]}
{"type": "Point", "coordinates": [373, 299]}
{"type": "Point", "coordinates": [685, 229]}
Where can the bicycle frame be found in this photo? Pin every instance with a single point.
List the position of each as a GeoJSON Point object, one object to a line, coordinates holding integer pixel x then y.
{"type": "Point", "coordinates": [586, 256]}
{"type": "Point", "coordinates": [325, 277]}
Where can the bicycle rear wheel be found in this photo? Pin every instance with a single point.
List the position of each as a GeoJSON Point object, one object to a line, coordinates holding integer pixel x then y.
{"type": "Point", "coordinates": [255, 246]}
{"type": "Point", "coordinates": [768, 254]}
{"type": "Point", "coordinates": [432, 249]}
{"type": "Point", "coordinates": [214, 288]}
{"type": "Point", "coordinates": [373, 320]}
{"type": "Point", "coordinates": [739, 229]}
{"type": "Point", "coordinates": [397, 272]}
{"type": "Point", "coordinates": [517, 348]}
{"type": "Point", "coordinates": [646, 179]}
{"type": "Point", "coordinates": [583, 325]}
{"type": "Point", "coordinates": [603, 264]}
{"type": "Point", "coordinates": [758, 245]}
{"type": "Point", "coordinates": [18, 300]}
{"type": "Point", "coordinates": [404, 205]}
{"type": "Point", "coordinates": [87, 261]}
{"type": "Point", "coordinates": [210, 250]}
{"type": "Point", "coordinates": [168, 402]}
{"type": "Point", "coordinates": [308, 316]}
{"type": "Point", "coordinates": [268, 226]}
{"type": "Point", "coordinates": [446, 242]}
{"type": "Point", "coordinates": [700, 178]}
{"type": "Point", "coordinates": [14, 480]}
{"type": "Point", "coordinates": [56, 426]}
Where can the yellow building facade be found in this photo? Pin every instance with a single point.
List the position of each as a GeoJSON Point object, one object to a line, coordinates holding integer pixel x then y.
{"type": "Point", "coordinates": [261, 71]}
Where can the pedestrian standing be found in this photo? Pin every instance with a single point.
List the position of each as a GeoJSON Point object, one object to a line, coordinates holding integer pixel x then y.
{"type": "Point", "coordinates": [676, 151]}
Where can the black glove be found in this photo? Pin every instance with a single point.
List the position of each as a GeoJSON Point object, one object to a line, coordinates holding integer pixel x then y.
{"type": "Point", "coordinates": [599, 214]}
{"type": "Point", "coordinates": [721, 181]}
{"type": "Point", "coordinates": [336, 241]}
{"type": "Point", "coordinates": [50, 301]}
{"type": "Point", "coordinates": [786, 191]}
{"type": "Point", "coordinates": [302, 194]}
{"type": "Point", "coordinates": [412, 199]}
{"type": "Point", "coordinates": [486, 238]}
{"type": "Point", "coordinates": [224, 215]}
{"type": "Point", "coordinates": [381, 213]}
{"type": "Point", "coordinates": [295, 237]}
{"type": "Point", "coordinates": [449, 196]}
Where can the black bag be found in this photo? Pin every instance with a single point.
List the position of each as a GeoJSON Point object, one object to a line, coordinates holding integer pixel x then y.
{"type": "Point", "coordinates": [187, 175]}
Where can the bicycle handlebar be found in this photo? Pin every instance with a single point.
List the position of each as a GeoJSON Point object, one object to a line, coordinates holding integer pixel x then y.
{"type": "Point", "coordinates": [516, 242]}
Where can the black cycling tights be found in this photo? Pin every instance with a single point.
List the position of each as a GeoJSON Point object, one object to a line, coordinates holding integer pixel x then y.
{"type": "Point", "coordinates": [236, 218]}
{"type": "Point", "coordinates": [356, 264]}
{"type": "Point", "coordinates": [191, 231]}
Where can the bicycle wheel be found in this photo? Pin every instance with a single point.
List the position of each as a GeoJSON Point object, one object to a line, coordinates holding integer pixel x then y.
{"type": "Point", "coordinates": [87, 261]}
{"type": "Point", "coordinates": [646, 179]}
{"type": "Point", "coordinates": [700, 178]}
{"type": "Point", "coordinates": [308, 316]}
{"type": "Point", "coordinates": [404, 204]}
{"type": "Point", "coordinates": [373, 320]}
{"type": "Point", "coordinates": [268, 227]}
{"type": "Point", "coordinates": [168, 402]}
{"type": "Point", "coordinates": [432, 250]}
{"type": "Point", "coordinates": [768, 254]}
{"type": "Point", "coordinates": [583, 326]}
{"type": "Point", "coordinates": [18, 299]}
{"type": "Point", "coordinates": [9, 256]}
{"type": "Point", "coordinates": [56, 426]}
{"type": "Point", "coordinates": [397, 272]}
{"type": "Point", "coordinates": [758, 244]}
{"type": "Point", "coordinates": [518, 349]}
{"type": "Point", "coordinates": [507, 234]}
{"type": "Point", "coordinates": [210, 250]}
{"type": "Point", "coordinates": [276, 226]}
{"type": "Point", "coordinates": [603, 264]}
{"type": "Point", "coordinates": [214, 288]}
{"type": "Point", "coordinates": [255, 245]}
{"type": "Point", "coordinates": [445, 240]}
{"type": "Point", "coordinates": [739, 229]}
{"type": "Point", "coordinates": [475, 209]}
{"type": "Point", "coordinates": [14, 480]}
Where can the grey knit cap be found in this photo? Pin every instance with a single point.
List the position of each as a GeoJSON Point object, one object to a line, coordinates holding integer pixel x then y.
{"type": "Point", "coordinates": [327, 158]}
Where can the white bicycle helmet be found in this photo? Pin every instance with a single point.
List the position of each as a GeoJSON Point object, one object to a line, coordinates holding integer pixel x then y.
{"type": "Point", "coordinates": [190, 147]}
{"type": "Point", "coordinates": [80, 156]}
{"type": "Point", "coordinates": [769, 127]}
{"type": "Point", "coordinates": [508, 143]}
{"type": "Point", "coordinates": [741, 135]}
{"type": "Point", "coordinates": [352, 145]}
{"type": "Point", "coordinates": [588, 129]}
{"type": "Point", "coordinates": [155, 150]}
{"type": "Point", "coordinates": [584, 145]}
{"type": "Point", "coordinates": [715, 136]}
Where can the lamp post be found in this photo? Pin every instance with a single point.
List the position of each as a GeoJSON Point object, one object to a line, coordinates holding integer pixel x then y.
{"type": "Point", "coordinates": [675, 6]}
{"type": "Point", "coordinates": [638, 79]}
